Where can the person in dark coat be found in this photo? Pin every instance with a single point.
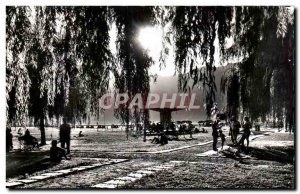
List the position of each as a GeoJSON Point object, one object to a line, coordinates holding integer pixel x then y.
{"type": "Point", "coordinates": [29, 139]}
{"type": "Point", "coordinates": [215, 127]}
{"type": "Point", "coordinates": [222, 136]}
{"type": "Point", "coordinates": [163, 138]}
{"type": "Point", "coordinates": [234, 128]}
{"type": "Point", "coordinates": [247, 126]}
{"type": "Point", "coordinates": [65, 135]}
{"type": "Point", "coordinates": [56, 153]}
{"type": "Point", "coordinates": [9, 137]}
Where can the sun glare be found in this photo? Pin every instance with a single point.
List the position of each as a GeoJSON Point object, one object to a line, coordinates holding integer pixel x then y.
{"type": "Point", "coordinates": [150, 38]}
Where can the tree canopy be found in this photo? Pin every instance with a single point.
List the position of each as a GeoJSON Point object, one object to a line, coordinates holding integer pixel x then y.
{"type": "Point", "coordinates": [58, 59]}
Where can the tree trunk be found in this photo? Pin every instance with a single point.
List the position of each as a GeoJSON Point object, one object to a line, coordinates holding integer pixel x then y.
{"type": "Point", "coordinates": [42, 128]}
{"type": "Point", "coordinates": [57, 121]}
{"type": "Point", "coordinates": [146, 123]}
{"type": "Point", "coordinates": [274, 120]}
{"type": "Point", "coordinates": [127, 130]}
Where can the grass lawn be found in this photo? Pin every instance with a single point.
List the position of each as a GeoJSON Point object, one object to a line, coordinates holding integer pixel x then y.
{"type": "Point", "coordinates": [220, 175]}
{"type": "Point", "coordinates": [270, 164]}
{"type": "Point", "coordinates": [113, 141]}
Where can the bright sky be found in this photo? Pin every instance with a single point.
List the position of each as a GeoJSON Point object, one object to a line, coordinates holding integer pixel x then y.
{"type": "Point", "coordinates": [150, 39]}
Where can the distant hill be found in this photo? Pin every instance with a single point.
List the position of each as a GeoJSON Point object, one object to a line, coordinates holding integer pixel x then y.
{"type": "Point", "coordinates": [169, 85]}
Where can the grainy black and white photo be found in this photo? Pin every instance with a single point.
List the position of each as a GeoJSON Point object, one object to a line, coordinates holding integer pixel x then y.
{"type": "Point", "coordinates": [150, 97]}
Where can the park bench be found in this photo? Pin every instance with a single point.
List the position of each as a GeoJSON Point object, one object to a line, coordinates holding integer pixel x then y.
{"type": "Point", "coordinates": [114, 126]}
{"type": "Point", "coordinates": [170, 133]}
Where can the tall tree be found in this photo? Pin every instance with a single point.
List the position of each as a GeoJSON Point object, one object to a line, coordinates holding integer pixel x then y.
{"type": "Point", "coordinates": [132, 74]}
{"type": "Point", "coordinates": [196, 29]}
{"type": "Point", "coordinates": [17, 80]}
{"type": "Point", "coordinates": [39, 63]}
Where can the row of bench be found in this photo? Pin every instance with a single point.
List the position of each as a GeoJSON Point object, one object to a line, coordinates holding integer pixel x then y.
{"type": "Point", "coordinates": [101, 126]}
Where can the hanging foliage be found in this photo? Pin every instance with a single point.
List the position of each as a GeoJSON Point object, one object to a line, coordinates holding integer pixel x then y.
{"type": "Point", "coordinates": [131, 73]}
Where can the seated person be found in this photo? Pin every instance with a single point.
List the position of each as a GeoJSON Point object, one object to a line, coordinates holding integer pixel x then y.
{"type": "Point", "coordinates": [163, 139]}
{"type": "Point", "coordinates": [20, 132]}
{"type": "Point", "coordinates": [155, 140]}
{"type": "Point", "coordinates": [29, 139]}
{"type": "Point", "coordinates": [56, 153]}
{"type": "Point", "coordinates": [203, 130]}
{"type": "Point", "coordinates": [80, 134]}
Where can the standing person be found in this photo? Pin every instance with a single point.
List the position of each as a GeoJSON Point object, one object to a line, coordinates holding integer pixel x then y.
{"type": "Point", "coordinates": [215, 134]}
{"type": "Point", "coordinates": [222, 137]}
{"type": "Point", "coordinates": [9, 137]}
{"type": "Point", "coordinates": [65, 135]}
{"type": "Point", "coordinates": [235, 129]}
{"type": "Point", "coordinates": [247, 126]}
{"type": "Point", "coordinates": [214, 111]}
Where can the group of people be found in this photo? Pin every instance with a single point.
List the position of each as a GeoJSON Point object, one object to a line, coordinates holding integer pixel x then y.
{"type": "Point", "coordinates": [156, 127]}
{"type": "Point", "coordinates": [56, 153]}
{"type": "Point", "coordinates": [234, 131]}
{"type": "Point", "coordinates": [27, 138]}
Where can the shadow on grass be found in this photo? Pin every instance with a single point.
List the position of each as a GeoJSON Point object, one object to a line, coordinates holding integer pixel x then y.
{"type": "Point", "coordinates": [275, 153]}
{"type": "Point", "coordinates": [21, 163]}
{"type": "Point", "coordinates": [282, 154]}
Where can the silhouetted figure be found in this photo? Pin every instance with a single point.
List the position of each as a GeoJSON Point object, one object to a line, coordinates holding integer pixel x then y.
{"type": "Point", "coordinates": [163, 139]}
{"type": "Point", "coordinates": [155, 140]}
{"type": "Point", "coordinates": [9, 137]}
{"type": "Point", "coordinates": [214, 111]}
{"type": "Point", "coordinates": [80, 134]}
{"type": "Point", "coordinates": [56, 153]}
{"type": "Point", "coordinates": [173, 126]}
{"type": "Point", "coordinates": [152, 127]}
{"type": "Point", "coordinates": [65, 135]}
{"type": "Point", "coordinates": [159, 127]}
{"type": "Point", "coordinates": [234, 128]}
{"type": "Point", "coordinates": [173, 131]}
{"type": "Point", "coordinates": [203, 130]}
{"type": "Point", "coordinates": [215, 128]}
{"type": "Point", "coordinates": [29, 140]}
{"type": "Point", "coordinates": [20, 132]}
{"type": "Point", "coordinates": [222, 136]}
{"type": "Point", "coordinates": [247, 126]}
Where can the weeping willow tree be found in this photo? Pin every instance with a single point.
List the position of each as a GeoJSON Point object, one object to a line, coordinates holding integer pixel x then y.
{"type": "Point", "coordinates": [61, 57]}
{"type": "Point", "coordinates": [230, 85]}
{"type": "Point", "coordinates": [52, 62]}
{"type": "Point", "coordinates": [83, 60]}
{"type": "Point", "coordinates": [265, 35]}
{"type": "Point", "coordinates": [263, 38]}
{"type": "Point", "coordinates": [17, 80]}
{"type": "Point", "coordinates": [197, 32]}
{"type": "Point", "coordinates": [92, 25]}
{"type": "Point", "coordinates": [131, 74]}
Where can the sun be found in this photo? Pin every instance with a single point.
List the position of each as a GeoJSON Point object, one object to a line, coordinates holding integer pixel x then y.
{"type": "Point", "coordinates": [150, 39]}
